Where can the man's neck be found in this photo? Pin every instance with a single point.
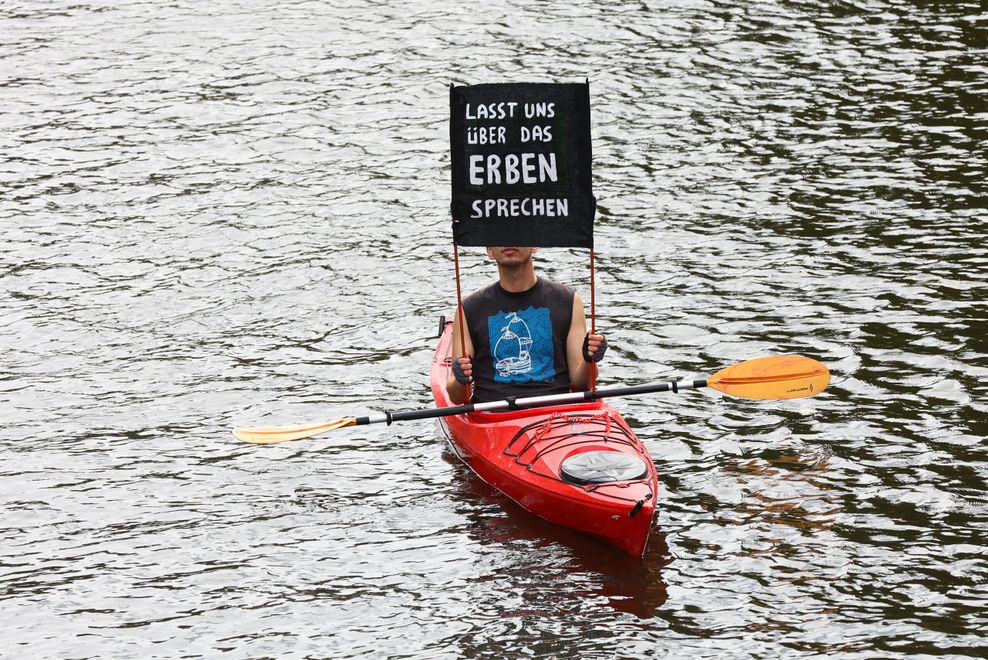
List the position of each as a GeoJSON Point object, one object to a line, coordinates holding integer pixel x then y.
{"type": "Point", "coordinates": [518, 279]}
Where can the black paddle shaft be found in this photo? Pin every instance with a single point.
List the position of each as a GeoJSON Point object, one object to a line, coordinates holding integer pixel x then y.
{"type": "Point", "coordinates": [527, 403]}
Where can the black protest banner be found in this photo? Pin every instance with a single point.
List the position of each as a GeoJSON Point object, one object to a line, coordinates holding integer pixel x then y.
{"type": "Point", "coordinates": [521, 165]}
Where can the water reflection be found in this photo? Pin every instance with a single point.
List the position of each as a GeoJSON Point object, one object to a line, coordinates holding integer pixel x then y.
{"type": "Point", "coordinates": [584, 568]}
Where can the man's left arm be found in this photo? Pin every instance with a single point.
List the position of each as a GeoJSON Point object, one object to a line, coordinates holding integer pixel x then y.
{"type": "Point", "coordinates": [581, 372]}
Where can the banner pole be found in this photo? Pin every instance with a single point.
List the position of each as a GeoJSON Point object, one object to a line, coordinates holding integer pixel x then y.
{"type": "Point", "coordinates": [593, 321]}
{"type": "Point", "coordinates": [459, 311]}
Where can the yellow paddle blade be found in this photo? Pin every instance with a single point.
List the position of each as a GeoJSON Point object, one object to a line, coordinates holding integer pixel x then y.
{"type": "Point", "coordinates": [263, 435]}
{"type": "Point", "coordinates": [775, 377]}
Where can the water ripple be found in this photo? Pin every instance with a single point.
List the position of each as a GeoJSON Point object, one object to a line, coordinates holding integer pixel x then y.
{"type": "Point", "coordinates": [210, 208]}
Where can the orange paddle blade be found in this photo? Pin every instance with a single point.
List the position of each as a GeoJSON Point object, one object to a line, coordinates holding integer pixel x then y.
{"type": "Point", "coordinates": [775, 377]}
{"type": "Point", "coordinates": [263, 435]}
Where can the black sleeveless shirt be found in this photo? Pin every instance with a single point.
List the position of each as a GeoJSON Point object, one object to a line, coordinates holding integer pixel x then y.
{"type": "Point", "coordinates": [519, 340]}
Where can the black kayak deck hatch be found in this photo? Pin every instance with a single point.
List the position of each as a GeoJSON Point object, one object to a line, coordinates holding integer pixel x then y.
{"type": "Point", "coordinates": [598, 467]}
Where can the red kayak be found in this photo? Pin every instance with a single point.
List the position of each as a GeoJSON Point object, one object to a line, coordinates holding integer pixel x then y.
{"type": "Point", "coordinates": [577, 465]}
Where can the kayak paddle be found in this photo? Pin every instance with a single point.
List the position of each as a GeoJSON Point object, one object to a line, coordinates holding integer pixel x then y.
{"type": "Point", "coordinates": [773, 378]}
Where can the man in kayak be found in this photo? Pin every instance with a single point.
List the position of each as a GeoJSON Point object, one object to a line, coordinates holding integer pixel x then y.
{"type": "Point", "coordinates": [525, 336]}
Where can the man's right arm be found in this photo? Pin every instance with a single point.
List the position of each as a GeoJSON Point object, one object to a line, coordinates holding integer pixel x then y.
{"type": "Point", "coordinates": [460, 392]}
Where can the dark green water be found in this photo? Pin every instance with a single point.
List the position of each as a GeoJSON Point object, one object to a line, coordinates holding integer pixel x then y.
{"type": "Point", "coordinates": [231, 213]}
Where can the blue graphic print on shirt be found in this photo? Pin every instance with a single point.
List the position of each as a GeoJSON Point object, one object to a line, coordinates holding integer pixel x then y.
{"type": "Point", "coordinates": [521, 346]}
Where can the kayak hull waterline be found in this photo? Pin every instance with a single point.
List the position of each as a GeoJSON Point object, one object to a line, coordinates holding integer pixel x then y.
{"type": "Point", "coordinates": [538, 457]}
